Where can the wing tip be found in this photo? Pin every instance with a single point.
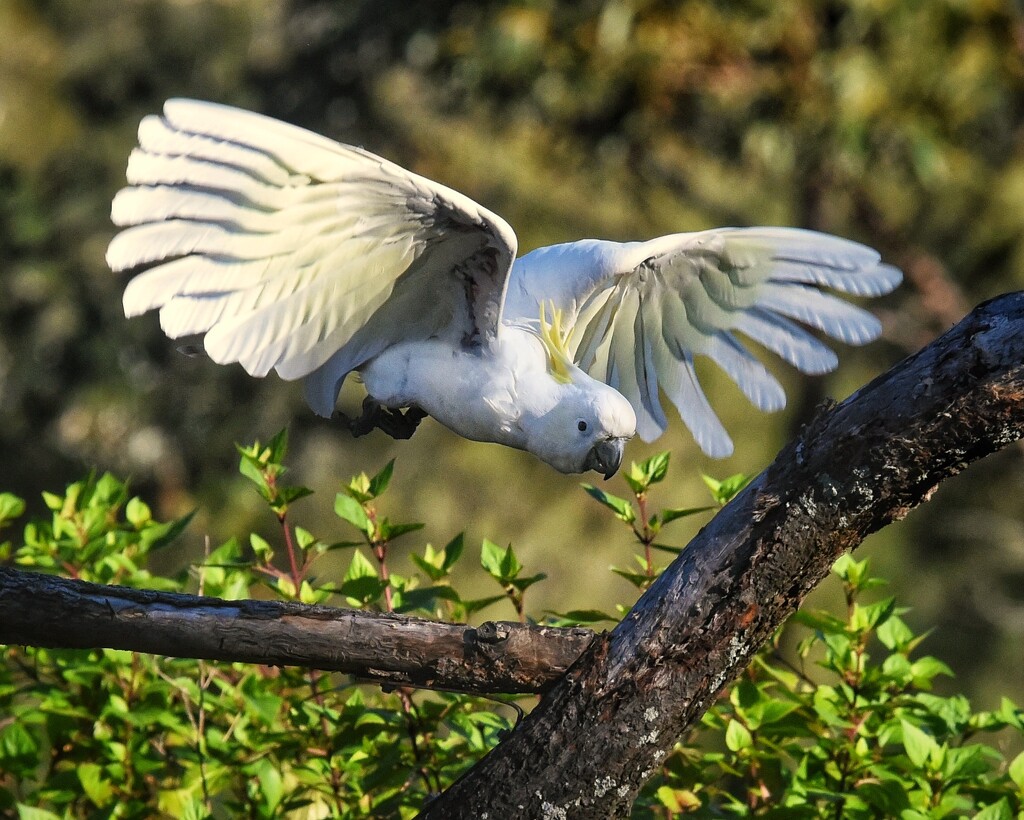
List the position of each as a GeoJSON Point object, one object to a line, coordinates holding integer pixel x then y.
{"type": "Point", "coordinates": [135, 301]}
{"type": "Point", "coordinates": [891, 277]}
{"type": "Point", "coordinates": [119, 257]}
{"type": "Point", "coordinates": [716, 447]}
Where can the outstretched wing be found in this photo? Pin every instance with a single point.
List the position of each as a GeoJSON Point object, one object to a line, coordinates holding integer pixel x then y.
{"type": "Point", "coordinates": [292, 252]}
{"type": "Point", "coordinates": [644, 310]}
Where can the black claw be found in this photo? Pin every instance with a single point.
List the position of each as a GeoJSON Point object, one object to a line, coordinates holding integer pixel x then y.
{"type": "Point", "coordinates": [399, 424]}
{"type": "Point", "coordinates": [365, 423]}
{"type": "Point", "coordinates": [396, 423]}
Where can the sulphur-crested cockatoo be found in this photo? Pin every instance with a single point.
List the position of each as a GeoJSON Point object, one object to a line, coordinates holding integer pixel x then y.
{"type": "Point", "coordinates": [292, 252]}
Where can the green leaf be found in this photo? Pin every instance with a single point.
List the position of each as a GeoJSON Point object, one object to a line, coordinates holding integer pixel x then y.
{"type": "Point", "coordinates": [304, 538]}
{"type": "Point", "coordinates": [868, 617]}
{"type": "Point", "coordinates": [655, 468]}
{"type": "Point", "coordinates": [288, 495]}
{"type": "Point", "coordinates": [641, 476]}
{"type": "Point", "coordinates": [278, 447]}
{"type": "Point", "coordinates": [954, 711]}
{"type": "Point", "coordinates": [379, 483]}
{"type": "Point", "coordinates": [918, 744]}
{"type": "Point", "coordinates": [996, 811]}
{"type": "Point", "coordinates": [499, 563]}
{"type": "Point", "coordinates": [360, 567]}
{"type": "Point", "coordinates": [31, 813]}
{"type": "Point", "coordinates": [10, 507]}
{"type": "Point", "coordinates": [359, 488]}
{"type": "Point", "coordinates": [737, 736]}
{"type": "Point", "coordinates": [889, 797]}
{"type": "Point", "coordinates": [826, 702]}
{"type": "Point", "coordinates": [490, 558]}
{"type": "Point", "coordinates": [362, 585]}
{"type": "Point", "coordinates": [308, 594]}
{"type": "Point", "coordinates": [270, 783]}
{"type": "Point", "coordinates": [389, 531]}
{"type": "Point", "coordinates": [850, 569]}
{"type": "Point", "coordinates": [747, 701]}
{"type": "Point", "coordinates": [510, 566]}
{"type": "Point", "coordinates": [453, 551]}
{"type": "Point", "coordinates": [348, 509]}
{"type": "Point", "coordinates": [96, 788]}
{"type": "Point", "coordinates": [775, 710]}
{"type": "Point", "coordinates": [261, 547]}
{"type": "Point", "coordinates": [968, 762]}
{"type": "Point", "coordinates": [724, 490]}
{"type": "Point", "coordinates": [481, 603]}
{"type": "Point", "coordinates": [429, 564]}
{"type": "Point", "coordinates": [427, 598]}
{"type": "Point", "coordinates": [1010, 713]}
{"type": "Point", "coordinates": [1016, 771]}
{"type": "Point", "coordinates": [285, 587]}
{"type": "Point", "coordinates": [894, 633]}
{"type": "Point", "coordinates": [623, 509]}
{"type": "Point", "coordinates": [637, 579]}
{"type": "Point", "coordinates": [668, 516]}
{"type": "Point", "coordinates": [17, 744]}
{"type": "Point", "coordinates": [136, 512]}
{"type": "Point", "coordinates": [156, 536]}
{"type": "Point", "coordinates": [252, 467]}
{"type": "Point", "coordinates": [926, 668]}
{"type": "Point", "coordinates": [522, 584]}
{"type": "Point", "coordinates": [580, 616]}
{"type": "Point", "coordinates": [677, 801]}
{"type": "Point", "coordinates": [824, 622]}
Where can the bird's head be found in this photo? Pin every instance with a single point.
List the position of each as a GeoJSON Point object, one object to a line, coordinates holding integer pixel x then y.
{"type": "Point", "coordinates": [586, 429]}
{"type": "Point", "coordinates": [588, 424]}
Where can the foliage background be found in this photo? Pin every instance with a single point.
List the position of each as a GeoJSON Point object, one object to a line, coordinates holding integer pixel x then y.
{"type": "Point", "coordinates": [834, 717]}
{"type": "Point", "coordinates": [894, 122]}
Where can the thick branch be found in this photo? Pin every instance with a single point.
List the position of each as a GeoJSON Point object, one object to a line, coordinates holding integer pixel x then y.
{"type": "Point", "coordinates": [42, 610]}
{"type": "Point", "coordinates": [608, 724]}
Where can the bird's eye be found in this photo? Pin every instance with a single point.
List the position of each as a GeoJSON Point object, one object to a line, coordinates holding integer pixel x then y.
{"type": "Point", "coordinates": [581, 425]}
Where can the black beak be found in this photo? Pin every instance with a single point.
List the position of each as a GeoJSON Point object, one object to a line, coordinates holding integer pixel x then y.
{"type": "Point", "coordinates": [606, 456]}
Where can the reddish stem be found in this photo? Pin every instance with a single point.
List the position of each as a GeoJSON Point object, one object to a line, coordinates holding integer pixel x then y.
{"type": "Point", "coordinates": [380, 552]}
{"type": "Point", "coordinates": [644, 534]}
{"type": "Point", "coordinates": [289, 543]}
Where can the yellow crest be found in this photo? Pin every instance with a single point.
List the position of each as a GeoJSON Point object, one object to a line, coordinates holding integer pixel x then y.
{"type": "Point", "coordinates": [555, 342]}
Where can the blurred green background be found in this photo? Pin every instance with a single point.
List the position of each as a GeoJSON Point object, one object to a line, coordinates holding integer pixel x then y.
{"type": "Point", "coordinates": [899, 123]}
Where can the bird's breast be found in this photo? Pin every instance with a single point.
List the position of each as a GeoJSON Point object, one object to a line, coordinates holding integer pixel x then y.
{"type": "Point", "coordinates": [471, 391]}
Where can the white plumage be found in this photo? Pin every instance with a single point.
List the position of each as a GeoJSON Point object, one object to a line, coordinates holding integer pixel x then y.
{"type": "Point", "coordinates": [294, 253]}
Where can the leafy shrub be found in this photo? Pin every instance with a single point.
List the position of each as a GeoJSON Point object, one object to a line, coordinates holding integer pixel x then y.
{"type": "Point", "coordinates": [845, 726]}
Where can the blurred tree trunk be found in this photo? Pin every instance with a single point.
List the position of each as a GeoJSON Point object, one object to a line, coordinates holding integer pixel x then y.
{"type": "Point", "coordinates": [606, 726]}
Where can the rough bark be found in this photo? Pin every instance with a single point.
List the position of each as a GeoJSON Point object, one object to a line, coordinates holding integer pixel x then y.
{"type": "Point", "coordinates": [607, 725]}
{"type": "Point", "coordinates": [42, 610]}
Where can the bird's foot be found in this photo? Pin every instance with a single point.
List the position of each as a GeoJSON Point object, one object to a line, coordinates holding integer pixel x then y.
{"type": "Point", "coordinates": [401, 424]}
{"type": "Point", "coordinates": [396, 423]}
{"type": "Point", "coordinates": [366, 422]}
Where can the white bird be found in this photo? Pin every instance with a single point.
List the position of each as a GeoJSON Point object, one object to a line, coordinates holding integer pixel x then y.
{"type": "Point", "coordinates": [295, 253]}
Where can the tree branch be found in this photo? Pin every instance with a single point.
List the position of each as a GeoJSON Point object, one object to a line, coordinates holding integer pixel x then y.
{"type": "Point", "coordinates": [607, 725]}
{"type": "Point", "coordinates": [392, 650]}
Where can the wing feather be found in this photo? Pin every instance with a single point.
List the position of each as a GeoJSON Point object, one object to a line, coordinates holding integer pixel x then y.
{"type": "Point", "coordinates": [838, 319]}
{"type": "Point", "coordinates": [787, 340]}
{"type": "Point", "coordinates": [647, 331]}
{"type": "Point", "coordinates": [293, 252]}
{"type": "Point", "coordinates": [642, 311]}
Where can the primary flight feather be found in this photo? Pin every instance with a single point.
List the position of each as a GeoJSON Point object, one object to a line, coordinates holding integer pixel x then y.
{"type": "Point", "coordinates": [295, 253]}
